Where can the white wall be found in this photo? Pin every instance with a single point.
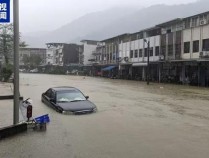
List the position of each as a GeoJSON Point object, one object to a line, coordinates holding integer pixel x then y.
{"type": "Point", "coordinates": [87, 52]}
{"type": "Point", "coordinates": [50, 56]}
{"type": "Point", "coordinates": [187, 36]}
{"type": "Point", "coordinates": [125, 48]}
{"type": "Point", "coordinates": [193, 34]}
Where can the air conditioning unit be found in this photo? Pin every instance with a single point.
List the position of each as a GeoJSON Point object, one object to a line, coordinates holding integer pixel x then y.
{"type": "Point", "coordinates": [161, 57]}
{"type": "Point", "coordinates": [126, 59]}
{"type": "Point", "coordinates": [204, 54]}
{"type": "Point", "coordinates": [203, 22]}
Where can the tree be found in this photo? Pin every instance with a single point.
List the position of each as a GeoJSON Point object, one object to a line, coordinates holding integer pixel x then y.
{"type": "Point", "coordinates": [7, 41]}
{"type": "Point", "coordinates": [7, 49]}
{"type": "Point", "coordinates": [33, 60]}
{"type": "Point", "coordinates": [26, 59]}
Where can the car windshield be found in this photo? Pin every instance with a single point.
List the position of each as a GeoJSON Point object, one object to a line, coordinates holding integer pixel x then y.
{"type": "Point", "coordinates": [70, 96]}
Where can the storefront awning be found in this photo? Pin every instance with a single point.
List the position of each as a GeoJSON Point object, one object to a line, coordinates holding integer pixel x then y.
{"type": "Point", "coordinates": [108, 68]}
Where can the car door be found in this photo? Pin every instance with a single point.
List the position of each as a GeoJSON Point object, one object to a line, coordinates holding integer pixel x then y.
{"type": "Point", "coordinates": [53, 99]}
{"type": "Point", "coordinates": [47, 97]}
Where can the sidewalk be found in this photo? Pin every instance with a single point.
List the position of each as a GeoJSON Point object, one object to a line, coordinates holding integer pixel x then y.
{"type": "Point", "coordinates": [6, 88]}
{"type": "Point", "coordinates": [6, 106]}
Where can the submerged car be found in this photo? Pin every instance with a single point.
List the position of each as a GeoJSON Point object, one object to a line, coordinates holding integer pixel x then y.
{"type": "Point", "coordinates": [34, 70]}
{"type": "Point", "coordinates": [68, 100]}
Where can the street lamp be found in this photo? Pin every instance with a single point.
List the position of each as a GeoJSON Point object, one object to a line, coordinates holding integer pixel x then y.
{"type": "Point", "coordinates": [148, 45]}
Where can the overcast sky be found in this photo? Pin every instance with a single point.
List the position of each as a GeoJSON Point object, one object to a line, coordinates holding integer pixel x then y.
{"type": "Point", "coordinates": [47, 15]}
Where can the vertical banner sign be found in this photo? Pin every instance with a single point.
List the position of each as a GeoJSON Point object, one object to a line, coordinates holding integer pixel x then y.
{"type": "Point", "coordinates": [4, 11]}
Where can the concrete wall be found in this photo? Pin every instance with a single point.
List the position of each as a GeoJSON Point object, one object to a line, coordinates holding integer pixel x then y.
{"type": "Point", "coordinates": [30, 52]}
{"type": "Point", "coordinates": [193, 34]}
{"type": "Point", "coordinates": [125, 48]}
{"type": "Point", "coordinates": [87, 52]}
{"type": "Point", "coordinates": [50, 56]}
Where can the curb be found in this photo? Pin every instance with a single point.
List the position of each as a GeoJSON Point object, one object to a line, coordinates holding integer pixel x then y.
{"type": "Point", "coordinates": [12, 130]}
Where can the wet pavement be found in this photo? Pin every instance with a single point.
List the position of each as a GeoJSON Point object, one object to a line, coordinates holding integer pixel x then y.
{"type": "Point", "coordinates": [133, 120]}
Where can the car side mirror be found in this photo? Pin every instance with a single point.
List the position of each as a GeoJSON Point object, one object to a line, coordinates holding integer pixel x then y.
{"type": "Point", "coordinates": [87, 97]}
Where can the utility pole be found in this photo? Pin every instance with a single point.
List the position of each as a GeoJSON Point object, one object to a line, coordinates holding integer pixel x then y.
{"type": "Point", "coordinates": [148, 65]}
{"type": "Point", "coordinates": [16, 61]}
{"type": "Point", "coordinates": [148, 68]}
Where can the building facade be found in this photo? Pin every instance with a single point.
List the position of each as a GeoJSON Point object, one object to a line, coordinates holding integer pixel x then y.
{"type": "Point", "coordinates": [54, 54]}
{"type": "Point", "coordinates": [41, 52]}
{"type": "Point", "coordinates": [86, 57]}
{"type": "Point", "coordinates": [178, 50]}
{"type": "Point", "coordinates": [71, 54]}
{"type": "Point", "coordinates": [62, 54]}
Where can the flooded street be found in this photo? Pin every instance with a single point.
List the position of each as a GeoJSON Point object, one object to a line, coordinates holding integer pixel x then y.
{"type": "Point", "coordinates": [133, 120]}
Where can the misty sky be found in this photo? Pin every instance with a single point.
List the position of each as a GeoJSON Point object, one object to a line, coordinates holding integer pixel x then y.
{"type": "Point", "coordinates": [47, 15]}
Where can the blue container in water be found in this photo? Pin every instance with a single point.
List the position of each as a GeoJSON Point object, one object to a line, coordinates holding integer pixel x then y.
{"type": "Point", "coordinates": [42, 119]}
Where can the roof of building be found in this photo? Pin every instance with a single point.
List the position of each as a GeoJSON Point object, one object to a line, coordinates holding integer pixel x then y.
{"type": "Point", "coordinates": [196, 15]}
{"type": "Point", "coordinates": [169, 22]}
{"type": "Point", "coordinates": [55, 43]}
{"type": "Point", "coordinates": [32, 48]}
{"type": "Point", "coordinates": [122, 35]}
{"type": "Point", "coordinates": [179, 20]}
{"type": "Point", "coordinates": [89, 41]}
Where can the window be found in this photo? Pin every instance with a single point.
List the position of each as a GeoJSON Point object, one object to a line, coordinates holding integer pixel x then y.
{"type": "Point", "coordinates": [205, 45]}
{"type": "Point", "coordinates": [140, 52]}
{"type": "Point", "coordinates": [170, 44]}
{"type": "Point", "coordinates": [203, 17]}
{"type": "Point", "coordinates": [136, 54]}
{"type": "Point", "coordinates": [157, 51]}
{"type": "Point", "coordinates": [131, 54]}
{"type": "Point", "coordinates": [170, 50]}
{"type": "Point", "coordinates": [194, 22]}
{"type": "Point", "coordinates": [49, 93]}
{"type": "Point", "coordinates": [68, 96]}
{"type": "Point", "coordinates": [195, 46]}
{"type": "Point", "coordinates": [178, 44]}
{"type": "Point", "coordinates": [187, 23]}
{"type": "Point", "coordinates": [110, 56]}
{"type": "Point", "coordinates": [145, 52]}
{"type": "Point", "coordinates": [186, 47]}
{"type": "Point", "coordinates": [151, 51]}
{"type": "Point", "coordinates": [52, 95]}
{"type": "Point", "coordinates": [114, 56]}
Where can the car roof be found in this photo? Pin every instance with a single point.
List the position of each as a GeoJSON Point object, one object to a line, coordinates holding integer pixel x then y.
{"type": "Point", "coordinates": [64, 88]}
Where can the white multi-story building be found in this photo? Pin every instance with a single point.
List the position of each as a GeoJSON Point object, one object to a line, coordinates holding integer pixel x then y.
{"type": "Point", "coordinates": [135, 49]}
{"type": "Point", "coordinates": [54, 54]}
{"type": "Point", "coordinates": [196, 36]}
{"type": "Point", "coordinates": [179, 50]}
{"type": "Point", "coordinates": [30, 52]}
{"type": "Point", "coordinates": [89, 46]}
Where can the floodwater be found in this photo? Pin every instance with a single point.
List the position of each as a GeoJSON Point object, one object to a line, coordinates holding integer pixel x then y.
{"type": "Point", "coordinates": [133, 120]}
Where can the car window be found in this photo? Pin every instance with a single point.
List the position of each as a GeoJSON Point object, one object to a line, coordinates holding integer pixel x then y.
{"type": "Point", "coordinates": [68, 96]}
{"type": "Point", "coordinates": [49, 93]}
{"type": "Point", "coordinates": [52, 95]}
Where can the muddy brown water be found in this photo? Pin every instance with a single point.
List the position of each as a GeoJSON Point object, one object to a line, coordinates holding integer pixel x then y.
{"type": "Point", "coordinates": [133, 120]}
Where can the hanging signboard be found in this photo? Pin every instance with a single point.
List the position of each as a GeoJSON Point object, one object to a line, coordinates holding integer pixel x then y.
{"type": "Point", "coordinates": [4, 11]}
